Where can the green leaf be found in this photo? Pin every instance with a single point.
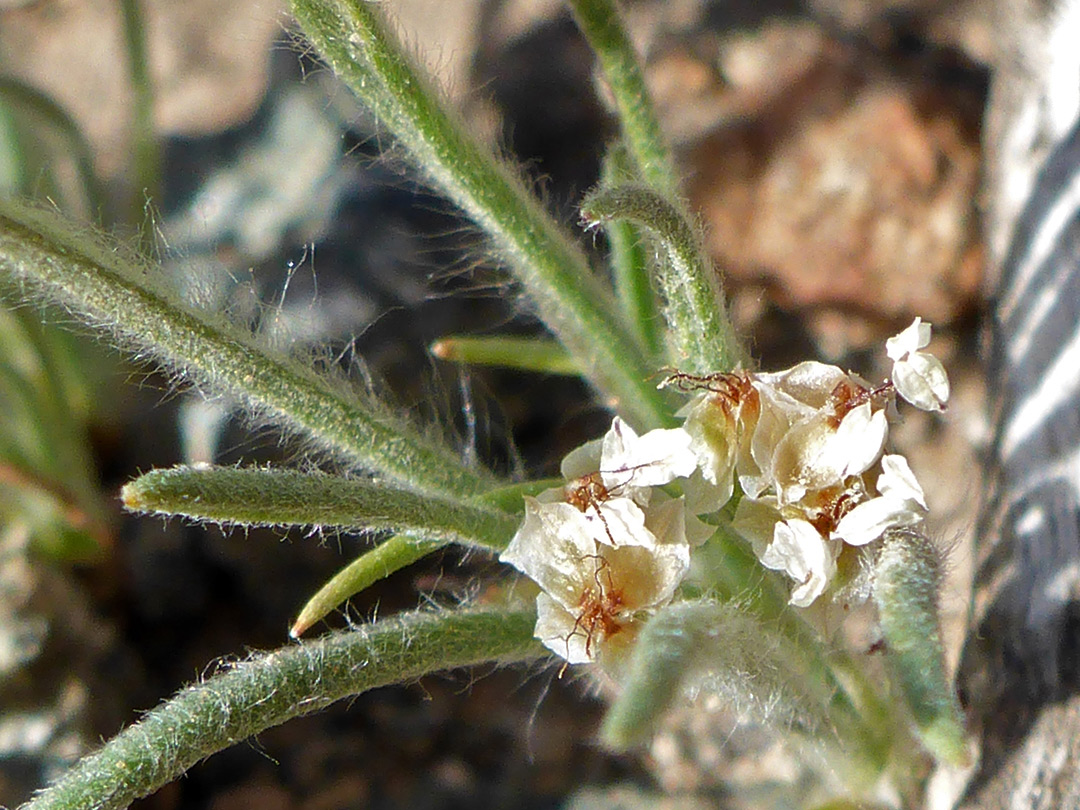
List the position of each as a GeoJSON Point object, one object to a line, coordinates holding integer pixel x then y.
{"type": "Point", "coordinates": [354, 37]}
{"type": "Point", "coordinates": [392, 555]}
{"type": "Point", "coordinates": [527, 354]}
{"type": "Point", "coordinates": [907, 582]}
{"type": "Point", "coordinates": [264, 497]}
{"type": "Point", "coordinates": [51, 259]}
{"type": "Point", "coordinates": [269, 688]}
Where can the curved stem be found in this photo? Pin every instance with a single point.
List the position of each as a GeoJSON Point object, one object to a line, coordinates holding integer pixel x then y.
{"type": "Point", "coordinates": [703, 337]}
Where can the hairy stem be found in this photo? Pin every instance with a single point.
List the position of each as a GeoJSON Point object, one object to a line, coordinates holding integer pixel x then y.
{"type": "Point", "coordinates": [356, 40]}
{"type": "Point", "coordinates": [270, 688]}
{"type": "Point", "coordinates": [600, 23]}
{"type": "Point", "coordinates": [703, 338]}
{"type": "Point", "coordinates": [907, 584]}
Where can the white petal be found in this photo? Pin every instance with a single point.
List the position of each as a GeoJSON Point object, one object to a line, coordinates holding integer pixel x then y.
{"type": "Point", "coordinates": [809, 382]}
{"type": "Point", "coordinates": [799, 550]}
{"type": "Point", "coordinates": [869, 520]}
{"type": "Point", "coordinates": [859, 439]}
{"type": "Point", "coordinates": [558, 630]}
{"type": "Point", "coordinates": [806, 459]}
{"type": "Point", "coordinates": [655, 459]}
{"type": "Point", "coordinates": [756, 519]}
{"type": "Point", "coordinates": [582, 461]}
{"type": "Point", "coordinates": [898, 481]}
{"type": "Point", "coordinates": [713, 441]}
{"type": "Point", "coordinates": [619, 522]}
{"type": "Point", "coordinates": [703, 497]}
{"type": "Point", "coordinates": [779, 411]}
{"type": "Point", "coordinates": [922, 381]}
{"type": "Point", "coordinates": [909, 341]}
{"type": "Point", "coordinates": [550, 547]}
{"type": "Point", "coordinates": [644, 578]}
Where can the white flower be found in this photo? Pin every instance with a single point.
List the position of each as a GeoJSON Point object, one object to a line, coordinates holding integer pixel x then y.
{"type": "Point", "coordinates": [900, 502]}
{"type": "Point", "coordinates": [591, 591]}
{"type": "Point", "coordinates": [630, 463]}
{"type": "Point", "coordinates": [817, 453]}
{"type": "Point", "coordinates": [918, 376]}
{"type": "Point", "coordinates": [611, 482]}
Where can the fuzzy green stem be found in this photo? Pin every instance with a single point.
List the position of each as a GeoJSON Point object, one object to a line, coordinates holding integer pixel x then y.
{"type": "Point", "coordinates": [262, 497]}
{"type": "Point", "coordinates": [630, 262]}
{"type": "Point", "coordinates": [527, 354]}
{"type": "Point", "coordinates": [600, 23]}
{"type": "Point", "coordinates": [270, 688]}
{"type": "Point", "coordinates": [51, 260]}
{"type": "Point", "coordinates": [354, 38]}
{"type": "Point", "coordinates": [907, 582]}
{"type": "Point", "coordinates": [703, 338]}
{"type": "Point", "coordinates": [373, 565]}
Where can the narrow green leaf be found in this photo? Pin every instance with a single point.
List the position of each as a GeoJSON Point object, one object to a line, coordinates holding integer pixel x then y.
{"type": "Point", "coordinates": [631, 262]}
{"type": "Point", "coordinates": [263, 497]}
{"type": "Point", "coordinates": [373, 565]}
{"type": "Point", "coordinates": [527, 354]}
{"type": "Point", "coordinates": [49, 258]}
{"type": "Point", "coordinates": [703, 338]}
{"type": "Point", "coordinates": [146, 152]}
{"type": "Point", "coordinates": [269, 688]}
{"type": "Point", "coordinates": [907, 583]}
{"type": "Point", "coordinates": [354, 37]}
{"type": "Point", "coordinates": [599, 21]}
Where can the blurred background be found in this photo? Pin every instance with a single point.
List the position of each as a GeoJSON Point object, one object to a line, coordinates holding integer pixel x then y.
{"type": "Point", "coordinates": [832, 148]}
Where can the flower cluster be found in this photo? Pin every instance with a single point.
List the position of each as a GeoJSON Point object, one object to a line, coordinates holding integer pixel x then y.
{"type": "Point", "coordinates": [608, 546]}
{"type": "Point", "coordinates": [806, 447]}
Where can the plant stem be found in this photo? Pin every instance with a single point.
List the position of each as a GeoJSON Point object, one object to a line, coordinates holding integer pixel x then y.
{"type": "Point", "coordinates": [270, 688]}
{"type": "Point", "coordinates": [631, 263]}
{"type": "Point", "coordinates": [146, 154]}
{"type": "Point", "coordinates": [355, 39]}
{"type": "Point", "coordinates": [703, 338]}
{"type": "Point", "coordinates": [113, 291]}
{"type": "Point", "coordinates": [261, 497]}
{"type": "Point", "coordinates": [600, 23]}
